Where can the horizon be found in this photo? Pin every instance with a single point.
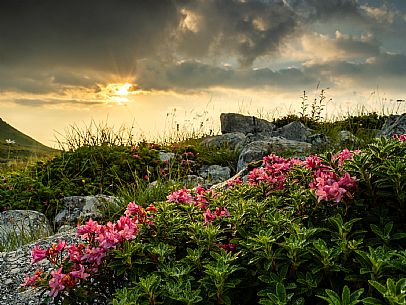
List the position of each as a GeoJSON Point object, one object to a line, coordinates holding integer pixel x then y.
{"type": "Point", "coordinates": [133, 63]}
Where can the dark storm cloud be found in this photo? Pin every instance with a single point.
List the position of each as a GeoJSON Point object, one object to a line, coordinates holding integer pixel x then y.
{"type": "Point", "coordinates": [193, 75]}
{"type": "Point", "coordinates": [46, 45]}
{"type": "Point", "coordinates": [98, 34]}
{"type": "Point", "coordinates": [386, 70]}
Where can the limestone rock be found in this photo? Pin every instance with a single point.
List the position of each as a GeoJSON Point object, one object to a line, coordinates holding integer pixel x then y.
{"type": "Point", "coordinates": [346, 137]}
{"type": "Point", "coordinates": [256, 150]}
{"type": "Point", "coordinates": [192, 181]}
{"type": "Point", "coordinates": [17, 226]}
{"type": "Point", "coordinates": [318, 140]}
{"type": "Point", "coordinates": [234, 140]}
{"type": "Point", "coordinates": [395, 124]}
{"type": "Point", "coordinates": [295, 130]}
{"type": "Point", "coordinates": [16, 264]}
{"type": "Point", "coordinates": [80, 208]}
{"type": "Point", "coordinates": [215, 174]}
{"type": "Point", "coordinates": [234, 122]}
{"type": "Point", "coordinates": [166, 156]}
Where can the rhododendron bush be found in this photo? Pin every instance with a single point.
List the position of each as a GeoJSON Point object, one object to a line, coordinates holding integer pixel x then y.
{"type": "Point", "coordinates": [288, 232]}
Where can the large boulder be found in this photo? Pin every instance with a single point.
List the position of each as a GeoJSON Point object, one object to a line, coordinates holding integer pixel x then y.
{"type": "Point", "coordinates": [295, 130]}
{"type": "Point", "coordinates": [234, 122]}
{"type": "Point", "coordinates": [394, 124]}
{"type": "Point", "coordinates": [80, 208]}
{"type": "Point", "coordinates": [256, 150]}
{"type": "Point", "coordinates": [19, 226]}
{"type": "Point", "coordinates": [234, 140]}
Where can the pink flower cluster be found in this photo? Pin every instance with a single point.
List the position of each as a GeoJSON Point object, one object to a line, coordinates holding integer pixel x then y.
{"type": "Point", "coordinates": [236, 181]}
{"type": "Point", "coordinates": [344, 155]}
{"type": "Point", "coordinates": [198, 196]}
{"type": "Point", "coordinates": [401, 137]}
{"type": "Point", "coordinates": [273, 172]}
{"type": "Point", "coordinates": [78, 262]}
{"type": "Point", "coordinates": [219, 212]}
{"type": "Point", "coordinates": [329, 186]}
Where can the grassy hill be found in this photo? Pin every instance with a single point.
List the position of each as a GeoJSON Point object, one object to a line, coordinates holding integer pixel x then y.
{"type": "Point", "coordinates": [24, 147]}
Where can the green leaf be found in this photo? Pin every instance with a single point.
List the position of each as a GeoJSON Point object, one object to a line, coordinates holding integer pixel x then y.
{"type": "Point", "coordinates": [371, 301]}
{"type": "Point", "coordinates": [379, 287]}
{"type": "Point", "coordinates": [346, 296]}
{"type": "Point", "coordinates": [280, 291]}
{"type": "Point", "coordinates": [334, 297]}
{"type": "Point", "coordinates": [388, 228]}
{"type": "Point", "coordinates": [355, 295]}
{"type": "Point", "coordinates": [391, 286]}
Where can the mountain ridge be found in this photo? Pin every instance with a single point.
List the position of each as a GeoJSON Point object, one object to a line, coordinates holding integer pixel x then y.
{"type": "Point", "coordinates": [14, 144]}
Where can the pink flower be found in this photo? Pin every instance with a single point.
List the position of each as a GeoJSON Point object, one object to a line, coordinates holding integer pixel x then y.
{"type": "Point", "coordinates": [208, 216]}
{"type": "Point", "coordinates": [94, 255]}
{"type": "Point", "coordinates": [401, 137]}
{"type": "Point", "coordinates": [133, 208]}
{"type": "Point", "coordinates": [151, 208]}
{"type": "Point", "coordinates": [37, 254]}
{"type": "Point", "coordinates": [313, 162]}
{"type": "Point", "coordinates": [89, 228]}
{"type": "Point", "coordinates": [75, 252]}
{"type": "Point", "coordinates": [188, 154]}
{"type": "Point", "coordinates": [33, 280]}
{"type": "Point", "coordinates": [55, 283]}
{"type": "Point", "coordinates": [180, 196]}
{"type": "Point", "coordinates": [136, 156]}
{"type": "Point", "coordinates": [80, 274]}
{"type": "Point", "coordinates": [222, 212]}
{"type": "Point", "coordinates": [234, 181]}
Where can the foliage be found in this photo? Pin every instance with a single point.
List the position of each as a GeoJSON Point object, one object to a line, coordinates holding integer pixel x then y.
{"type": "Point", "coordinates": [308, 231]}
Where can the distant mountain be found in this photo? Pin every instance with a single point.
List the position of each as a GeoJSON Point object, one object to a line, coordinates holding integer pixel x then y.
{"type": "Point", "coordinates": [16, 145]}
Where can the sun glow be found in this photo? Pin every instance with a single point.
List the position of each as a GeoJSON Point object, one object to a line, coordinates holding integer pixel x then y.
{"type": "Point", "coordinates": [120, 92]}
{"type": "Point", "coordinates": [124, 89]}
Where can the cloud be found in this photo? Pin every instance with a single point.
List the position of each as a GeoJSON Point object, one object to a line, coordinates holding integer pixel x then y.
{"type": "Point", "coordinates": [195, 75]}
{"type": "Point", "coordinates": [53, 46]}
{"type": "Point", "coordinates": [385, 69]}
{"type": "Point", "coordinates": [30, 102]}
{"type": "Point", "coordinates": [96, 34]}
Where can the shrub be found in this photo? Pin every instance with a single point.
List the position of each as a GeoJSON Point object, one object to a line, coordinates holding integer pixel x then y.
{"type": "Point", "coordinates": [298, 232]}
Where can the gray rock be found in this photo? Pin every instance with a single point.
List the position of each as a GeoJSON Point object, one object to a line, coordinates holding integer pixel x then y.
{"type": "Point", "coordinates": [166, 156]}
{"type": "Point", "coordinates": [260, 136]}
{"type": "Point", "coordinates": [192, 181]}
{"type": "Point", "coordinates": [80, 208]}
{"type": "Point", "coordinates": [234, 122]}
{"type": "Point", "coordinates": [215, 174]}
{"type": "Point", "coordinates": [21, 226]}
{"type": "Point", "coordinates": [256, 150]}
{"type": "Point", "coordinates": [346, 137]}
{"type": "Point", "coordinates": [394, 124]}
{"type": "Point", "coordinates": [15, 265]}
{"type": "Point", "coordinates": [318, 140]}
{"type": "Point", "coordinates": [296, 131]}
{"type": "Point", "coordinates": [234, 140]}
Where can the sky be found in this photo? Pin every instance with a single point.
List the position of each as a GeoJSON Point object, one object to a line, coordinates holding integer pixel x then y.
{"type": "Point", "coordinates": [158, 63]}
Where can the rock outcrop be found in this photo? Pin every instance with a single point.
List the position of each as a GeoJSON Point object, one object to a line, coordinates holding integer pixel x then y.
{"type": "Point", "coordinates": [256, 150]}
{"type": "Point", "coordinates": [395, 124]}
{"type": "Point", "coordinates": [18, 225]}
{"type": "Point", "coordinates": [15, 265]}
{"type": "Point", "coordinates": [80, 208]}
{"type": "Point", "coordinates": [234, 122]}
